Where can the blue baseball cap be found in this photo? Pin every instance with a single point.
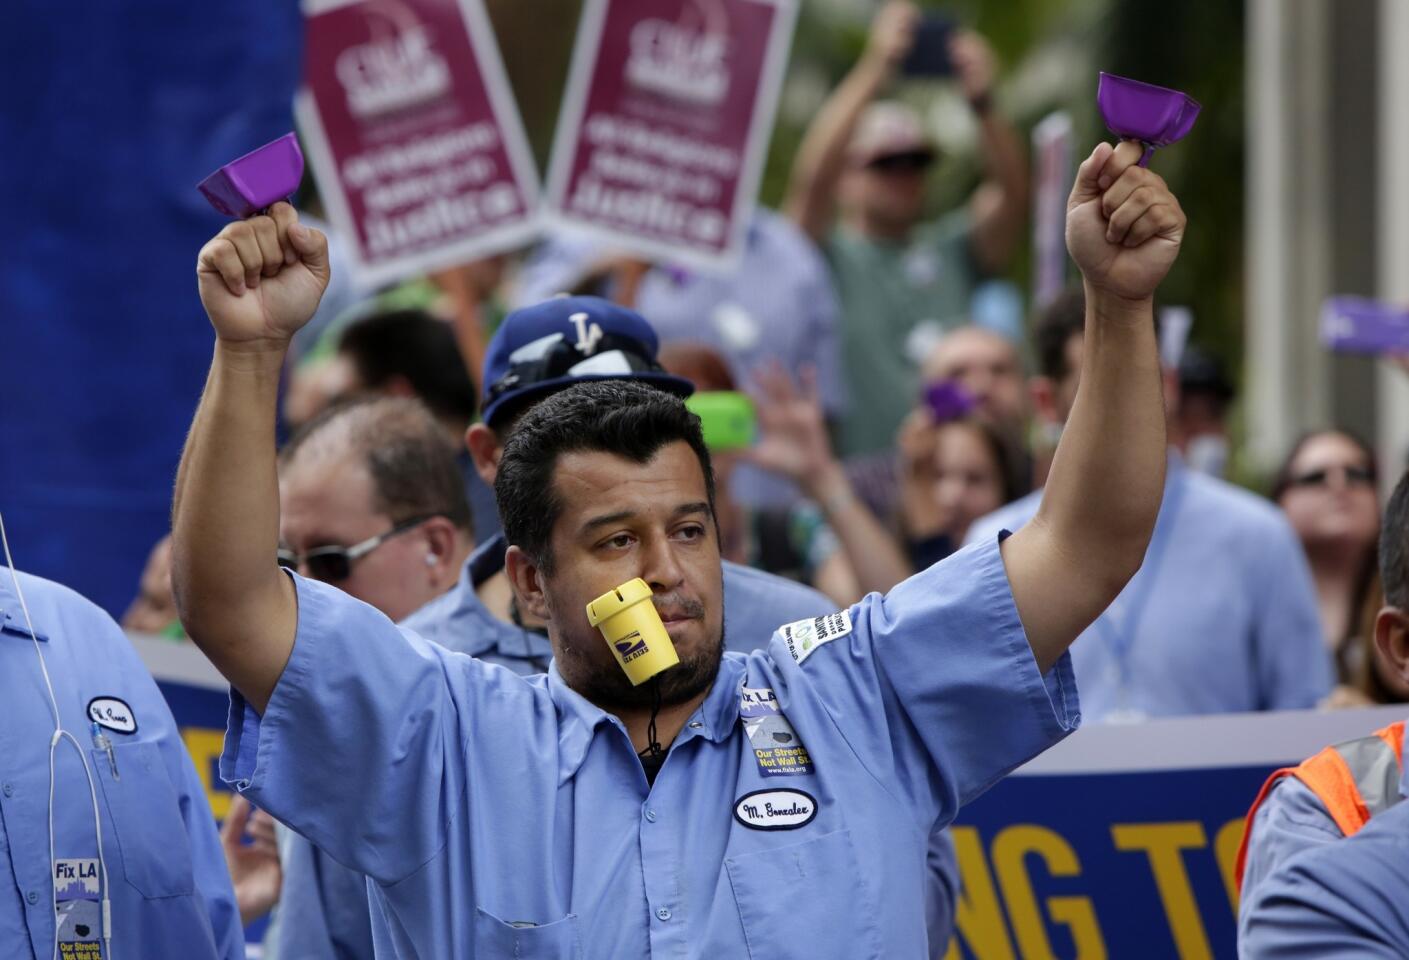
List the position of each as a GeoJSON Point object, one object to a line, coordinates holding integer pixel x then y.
{"type": "Point", "coordinates": [541, 349]}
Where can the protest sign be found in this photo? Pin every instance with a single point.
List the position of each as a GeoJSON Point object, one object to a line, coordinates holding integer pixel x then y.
{"type": "Point", "coordinates": [1118, 842]}
{"type": "Point", "coordinates": [1051, 176]}
{"type": "Point", "coordinates": [413, 134]}
{"type": "Point", "coordinates": [666, 122]}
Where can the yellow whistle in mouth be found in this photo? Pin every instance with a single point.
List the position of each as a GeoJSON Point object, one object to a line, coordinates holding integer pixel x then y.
{"type": "Point", "coordinates": [632, 628]}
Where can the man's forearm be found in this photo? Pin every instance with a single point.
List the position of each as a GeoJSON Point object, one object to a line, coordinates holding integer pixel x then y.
{"type": "Point", "coordinates": [821, 158]}
{"type": "Point", "coordinates": [1107, 480]}
{"type": "Point", "coordinates": [235, 603]}
{"type": "Point", "coordinates": [1001, 201]}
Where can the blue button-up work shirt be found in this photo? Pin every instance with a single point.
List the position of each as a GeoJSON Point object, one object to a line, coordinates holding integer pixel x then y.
{"type": "Point", "coordinates": [168, 884]}
{"type": "Point", "coordinates": [325, 913]}
{"type": "Point", "coordinates": [1221, 617]}
{"type": "Point", "coordinates": [500, 815]}
{"type": "Point", "coordinates": [1291, 819]}
{"type": "Point", "coordinates": [1347, 899]}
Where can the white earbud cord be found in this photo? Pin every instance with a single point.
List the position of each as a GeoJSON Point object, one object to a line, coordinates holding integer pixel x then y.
{"type": "Point", "coordinates": [61, 734]}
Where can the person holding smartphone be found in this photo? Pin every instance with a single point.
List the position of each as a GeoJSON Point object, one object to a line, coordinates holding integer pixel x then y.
{"type": "Point", "coordinates": [858, 189]}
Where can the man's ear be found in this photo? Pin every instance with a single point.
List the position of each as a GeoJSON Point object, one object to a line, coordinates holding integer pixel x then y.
{"type": "Point", "coordinates": [443, 542]}
{"type": "Point", "coordinates": [485, 449]}
{"type": "Point", "coordinates": [1043, 391]}
{"type": "Point", "coordinates": [1392, 640]}
{"type": "Point", "coordinates": [527, 581]}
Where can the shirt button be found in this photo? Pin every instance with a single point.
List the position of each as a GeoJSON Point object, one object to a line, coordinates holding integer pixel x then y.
{"type": "Point", "coordinates": [32, 897]}
{"type": "Point", "coordinates": [695, 724]}
{"type": "Point", "coordinates": [9, 789]}
{"type": "Point", "coordinates": [651, 816]}
{"type": "Point", "coordinates": [661, 914]}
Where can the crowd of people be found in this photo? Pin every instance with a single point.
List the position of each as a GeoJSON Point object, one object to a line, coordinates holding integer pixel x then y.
{"type": "Point", "coordinates": [474, 454]}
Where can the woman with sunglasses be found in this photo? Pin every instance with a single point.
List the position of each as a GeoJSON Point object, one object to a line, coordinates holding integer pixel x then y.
{"type": "Point", "coordinates": [1326, 486]}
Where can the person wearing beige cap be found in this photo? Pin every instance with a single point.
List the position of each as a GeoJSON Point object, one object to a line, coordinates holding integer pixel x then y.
{"type": "Point", "coordinates": [858, 189]}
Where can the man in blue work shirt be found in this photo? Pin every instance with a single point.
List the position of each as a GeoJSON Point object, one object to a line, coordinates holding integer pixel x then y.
{"type": "Point", "coordinates": [158, 865]}
{"type": "Point", "coordinates": [1221, 617]}
{"type": "Point", "coordinates": [1345, 899]}
{"type": "Point", "coordinates": [536, 352]}
{"type": "Point", "coordinates": [764, 805]}
{"type": "Point", "coordinates": [1363, 778]}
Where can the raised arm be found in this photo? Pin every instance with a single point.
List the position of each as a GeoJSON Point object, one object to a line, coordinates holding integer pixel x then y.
{"type": "Point", "coordinates": [260, 281]}
{"type": "Point", "coordinates": [999, 205]}
{"type": "Point", "coordinates": [821, 158]}
{"type": "Point", "coordinates": [793, 443]}
{"type": "Point", "coordinates": [1103, 494]}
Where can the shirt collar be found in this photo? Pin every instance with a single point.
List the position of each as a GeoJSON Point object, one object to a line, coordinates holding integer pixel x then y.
{"type": "Point", "coordinates": [579, 718]}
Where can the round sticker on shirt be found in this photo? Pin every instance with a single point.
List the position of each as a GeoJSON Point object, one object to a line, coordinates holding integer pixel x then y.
{"type": "Point", "coordinates": [112, 713]}
{"type": "Point", "coordinates": [775, 809]}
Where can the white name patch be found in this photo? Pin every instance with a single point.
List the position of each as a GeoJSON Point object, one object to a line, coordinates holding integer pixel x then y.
{"type": "Point", "coordinates": [775, 809]}
{"type": "Point", "coordinates": [804, 636]}
{"type": "Point", "coordinates": [112, 713]}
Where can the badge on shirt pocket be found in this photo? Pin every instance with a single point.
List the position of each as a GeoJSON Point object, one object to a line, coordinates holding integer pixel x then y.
{"type": "Point", "coordinates": [78, 917]}
{"type": "Point", "coordinates": [777, 748]}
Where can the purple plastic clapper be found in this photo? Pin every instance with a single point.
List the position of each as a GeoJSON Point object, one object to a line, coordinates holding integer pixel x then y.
{"type": "Point", "coordinates": [260, 178]}
{"type": "Point", "coordinates": [1358, 325]}
{"type": "Point", "coordinates": [1156, 116]}
{"type": "Point", "coordinates": [947, 400]}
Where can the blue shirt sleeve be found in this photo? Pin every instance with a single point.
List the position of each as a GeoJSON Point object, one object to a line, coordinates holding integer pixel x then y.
{"type": "Point", "coordinates": [359, 749]}
{"type": "Point", "coordinates": [935, 688]}
{"type": "Point", "coordinates": [1337, 900]}
{"type": "Point", "coordinates": [1290, 820]}
{"type": "Point", "coordinates": [1293, 663]}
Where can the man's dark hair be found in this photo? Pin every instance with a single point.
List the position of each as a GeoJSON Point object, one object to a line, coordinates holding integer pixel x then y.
{"type": "Point", "coordinates": [1062, 319]}
{"type": "Point", "coordinates": [1394, 546]}
{"type": "Point", "coordinates": [406, 452]}
{"type": "Point", "coordinates": [622, 417]}
{"type": "Point", "coordinates": [416, 347]}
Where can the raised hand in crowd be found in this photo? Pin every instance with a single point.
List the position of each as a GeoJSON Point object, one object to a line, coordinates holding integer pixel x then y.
{"type": "Point", "coordinates": [260, 281]}
{"type": "Point", "coordinates": [1124, 228]}
{"type": "Point", "coordinates": [255, 871]}
{"type": "Point", "coordinates": [921, 513]}
{"type": "Point", "coordinates": [793, 443]}
{"type": "Point", "coordinates": [261, 278]}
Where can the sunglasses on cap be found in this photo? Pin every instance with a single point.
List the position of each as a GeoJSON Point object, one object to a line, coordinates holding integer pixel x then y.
{"type": "Point", "coordinates": [556, 358]}
{"type": "Point", "coordinates": [912, 161]}
{"type": "Point", "coordinates": [1354, 477]}
{"type": "Point", "coordinates": [332, 564]}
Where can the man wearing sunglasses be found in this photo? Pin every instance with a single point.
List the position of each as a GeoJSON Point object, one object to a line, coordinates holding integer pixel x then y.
{"type": "Point", "coordinates": [372, 501]}
{"type": "Point", "coordinates": [901, 281]}
{"type": "Point", "coordinates": [576, 815]}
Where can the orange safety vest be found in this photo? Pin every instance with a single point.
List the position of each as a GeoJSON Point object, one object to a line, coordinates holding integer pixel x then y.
{"type": "Point", "coordinates": [1355, 780]}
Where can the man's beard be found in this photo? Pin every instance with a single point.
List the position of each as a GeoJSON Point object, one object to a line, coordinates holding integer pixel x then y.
{"type": "Point", "coordinates": [606, 684]}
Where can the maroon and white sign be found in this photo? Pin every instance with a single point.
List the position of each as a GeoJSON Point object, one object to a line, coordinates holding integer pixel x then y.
{"type": "Point", "coordinates": [666, 122]}
{"type": "Point", "coordinates": [413, 134]}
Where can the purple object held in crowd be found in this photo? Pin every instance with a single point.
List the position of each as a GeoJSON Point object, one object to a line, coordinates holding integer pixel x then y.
{"type": "Point", "coordinates": [1358, 325]}
{"type": "Point", "coordinates": [947, 401]}
{"type": "Point", "coordinates": [260, 178]}
{"type": "Point", "coordinates": [1156, 116]}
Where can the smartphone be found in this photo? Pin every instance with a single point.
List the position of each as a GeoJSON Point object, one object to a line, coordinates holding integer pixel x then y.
{"type": "Point", "coordinates": [929, 57]}
{"type": "Point", "coordinates": [1359, 325]}
{"type": "Point", "coordinates": [727, 418]}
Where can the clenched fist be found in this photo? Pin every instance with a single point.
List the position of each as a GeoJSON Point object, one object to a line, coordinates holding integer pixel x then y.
{"type": "Point", "coordinates": [1124, 226]}
{"type": "Point", "coordinates": [261, 278]}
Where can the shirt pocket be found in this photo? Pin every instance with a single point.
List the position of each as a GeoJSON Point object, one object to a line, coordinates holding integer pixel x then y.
{"type": "Point", "coordinates": [526, 940]}
{"type": "Point", "coordinates": [810, 893]}
{"type": "Point", "coordinates": [145, 815]}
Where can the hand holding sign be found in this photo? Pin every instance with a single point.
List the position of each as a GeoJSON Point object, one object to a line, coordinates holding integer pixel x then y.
{"type": "Point", "coordinates": [261, 278]}
{"type": "Point", "coordinates": [1124, 226]}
